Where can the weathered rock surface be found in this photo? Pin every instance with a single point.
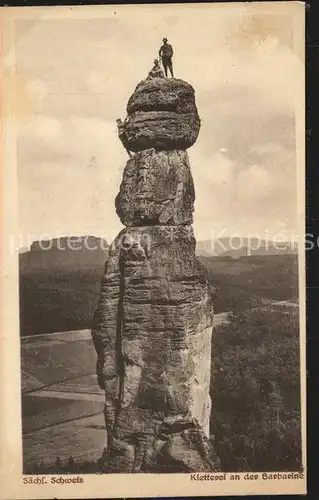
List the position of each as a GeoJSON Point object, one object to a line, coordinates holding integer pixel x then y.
{"type": "Point", "coordinates": [181, 446]}
{"type": "Point", "coordinates": [157, 188]}
{"type": "Point", "coordinates": [162, 114]}
{"type": "Point", "coordinates": [153, 325]}
{"type": "Point", "coordinates": [152, 330]}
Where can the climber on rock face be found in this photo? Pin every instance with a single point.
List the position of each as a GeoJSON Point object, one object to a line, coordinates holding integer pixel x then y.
{"type": "Point", "coordinates": [166, 54]}
{"type": "Point", "coordinates": [122, 135]}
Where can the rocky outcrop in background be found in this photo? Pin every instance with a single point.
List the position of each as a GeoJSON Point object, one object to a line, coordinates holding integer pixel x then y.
{"type": "Point", "coordinates": [153, 325]}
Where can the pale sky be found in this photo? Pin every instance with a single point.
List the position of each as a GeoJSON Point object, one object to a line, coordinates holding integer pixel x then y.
{"type": "Point", "coordinates": [78, 74]}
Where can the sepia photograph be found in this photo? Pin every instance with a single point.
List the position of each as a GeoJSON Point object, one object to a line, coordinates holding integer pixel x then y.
{"type": "Point", "coordinates": [155, 249]}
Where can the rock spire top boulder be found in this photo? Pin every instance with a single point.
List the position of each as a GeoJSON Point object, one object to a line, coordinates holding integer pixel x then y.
{"type": "Point", "coordinates": [162, 114]}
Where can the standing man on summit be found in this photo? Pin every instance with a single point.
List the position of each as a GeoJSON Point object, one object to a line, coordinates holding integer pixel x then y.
{"type": "Point", "coordinates": [166, 54]}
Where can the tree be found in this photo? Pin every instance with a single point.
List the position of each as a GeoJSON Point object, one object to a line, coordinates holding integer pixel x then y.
{"type": "Point", "coordinates": [255, 389]}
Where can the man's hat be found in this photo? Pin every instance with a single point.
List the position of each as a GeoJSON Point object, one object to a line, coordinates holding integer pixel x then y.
{"type": "Point", "coordinates": [164, 39]}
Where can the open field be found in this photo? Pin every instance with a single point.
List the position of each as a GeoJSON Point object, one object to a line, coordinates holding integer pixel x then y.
{"type": "Point", "coordinates": [83, 439]}
{"type": "Point", "coordinates": [62, 405]}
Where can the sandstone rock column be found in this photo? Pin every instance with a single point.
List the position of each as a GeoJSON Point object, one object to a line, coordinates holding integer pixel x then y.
{"type": "Point", "coordinates": [153, 325]}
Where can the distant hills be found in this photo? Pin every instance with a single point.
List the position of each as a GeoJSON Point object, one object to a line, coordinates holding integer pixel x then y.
{"type": "Point", "coordinates": [270, 277]}
{"type": "Point", "coordinates": [60, 280]}
{"type": "Point", "coordinates": [60, 283]}
{"type": "Point", "coordinates": [237, 247]}
{"type": "Point", "coordinates": [66, 252]}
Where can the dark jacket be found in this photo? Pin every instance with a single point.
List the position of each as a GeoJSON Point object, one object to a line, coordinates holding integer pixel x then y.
{"type": "Point", "coordinates": [166, 50]}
